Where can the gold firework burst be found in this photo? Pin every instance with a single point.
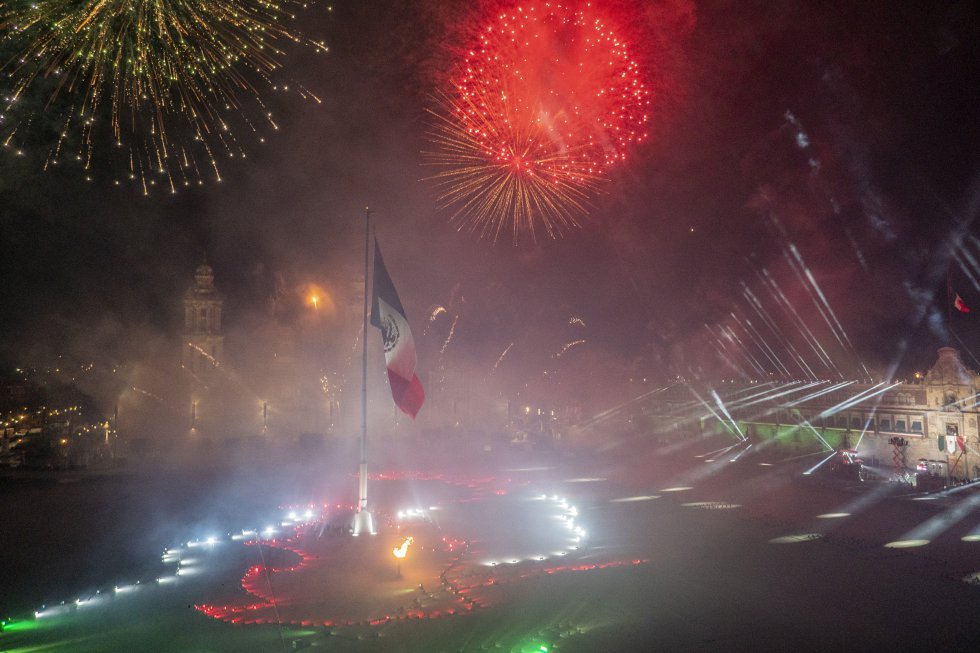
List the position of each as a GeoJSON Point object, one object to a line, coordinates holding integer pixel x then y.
{"type": "Point", "coordinates": [161, 80]}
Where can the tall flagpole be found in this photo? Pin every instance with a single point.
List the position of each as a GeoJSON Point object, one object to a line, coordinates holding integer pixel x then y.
{"type": "Point", "coordinates": [363, 522]}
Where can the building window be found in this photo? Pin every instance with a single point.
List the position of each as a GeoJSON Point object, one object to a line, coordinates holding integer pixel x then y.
{"type": "Point", "coordinates": [885, 425]}
{"type": "Point", "coordinates": [842, 421]}
{"type": "Point", "coordinates": [917, 427]}
{"type": "Point", "coordinates": [855, 422]}
{"type": "Point", "coordinates": [900, 425]}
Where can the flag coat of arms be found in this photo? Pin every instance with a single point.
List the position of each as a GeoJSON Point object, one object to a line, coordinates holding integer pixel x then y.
{"type": "Point", "coordinates": [388, 316]}
{"type": "Point", "coordinates": [951, 444]}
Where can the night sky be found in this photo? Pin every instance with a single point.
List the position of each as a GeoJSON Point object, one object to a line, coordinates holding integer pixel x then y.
{"type": "Point", "coordinates": [849, 133]}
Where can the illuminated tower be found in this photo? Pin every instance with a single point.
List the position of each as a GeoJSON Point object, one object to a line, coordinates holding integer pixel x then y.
{"type": "Point", "coordinates": [203, 342]}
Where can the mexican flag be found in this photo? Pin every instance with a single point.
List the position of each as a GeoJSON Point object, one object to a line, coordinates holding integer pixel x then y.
{"type": "Point", "coordinates": [388, 315]}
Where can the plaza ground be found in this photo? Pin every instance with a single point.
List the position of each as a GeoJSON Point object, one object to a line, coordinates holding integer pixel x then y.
{"type": "Point", "coordinates": [681, 554]}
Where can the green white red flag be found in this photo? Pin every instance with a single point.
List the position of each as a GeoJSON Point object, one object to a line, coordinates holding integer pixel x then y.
{"type": "Point", "coordinates": [388, 315]}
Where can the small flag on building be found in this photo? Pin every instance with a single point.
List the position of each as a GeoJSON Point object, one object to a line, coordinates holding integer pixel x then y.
{"type": "Point", "coordinates": [960, 440]}
{"type": "Point", "coordinates": [388, 315]}
{"type": "Point", "coordinates": [950, 444]}
{"type": "Point", "coordinates": [959, 305]}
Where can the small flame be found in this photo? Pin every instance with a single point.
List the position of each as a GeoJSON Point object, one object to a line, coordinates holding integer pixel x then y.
{"type": "Point", "coordinates": [400, 551]}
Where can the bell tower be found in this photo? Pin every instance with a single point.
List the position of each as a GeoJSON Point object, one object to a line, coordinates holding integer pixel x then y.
{"type": "Point", "coordinates": [202, 348]}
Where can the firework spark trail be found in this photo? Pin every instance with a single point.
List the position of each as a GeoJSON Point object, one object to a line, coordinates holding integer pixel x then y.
{"type": "Point", "coordinates": [766, 412]}
{"type": "Point", "coordinates": [867, 424]}
{"type": "Point", "coordinates": [211, 359]}
{"type": "Point", "coordinates": [499, 358]}
{"type": "Point", "coordinates": [802, 272]}
{"type": "Point", "coordinates": [718, 343]}
{"type": "Point", "coordinates": [489, 192]}
{"type": "Point", "coordinates": [781, 300]}
{"type": "Point", "coordinates": [757, 340]}
{"type": "Point", "coordinates": [850, 401]}
{"type": "Point", "coordinates": [795, 388]}
{"type": "Point", "coordinates": [757, 337]}
{"type": "Point", "coordinates": [971, 406]}
{"type": "Point", "coordinates": [610, 412]}
{"type": "Point", "coordinates": [828, 314]}
{"type": "Point", "coordinates": [749, 390]}
{"type": "Point", "coordinates": [216, 364]}
{"type": "Point", "coordinates": [777, 294]}
{"type": "Point", "coordinates": [728, 361]}
{"type": "Point", "coordinates": [818, 393]}
{"type": "Point", "coordinates": [755, 391]}
{"type": "Point", "coordinates": [566, 347]}
{"type": "Point", "coordinates": [732, 337]}
{"type": "Point", "coordinates": [576, 321]}
{"type": "Point", "coordinates": [449, 337]}
{"type": "Point", "coordinates": [148, 394]}
{"type": "Point", "coordinates": [436, 312]}
{"type": "Point", "coordinates": [721, 406]}
{"type": "Point", "coordinates": [774, 393]}
{"type": "Point", "coordinates": [968, 271]}
{"type": "Point", "coordinates": [870, 393]}
{"type": "Point", "coordinates": [971, 268]}
{"type": "Point", "coordinates": [890, 374]}
{"type": "Point", "coordinates": [545, 100]}
{"type": "Point", "coordinates": [193, 375]}
{"type": "Point", "coordinates": [776, 330]}
{"type": "Point", "coordinates": [711, 410]}
{"type": "Point", "coordinates": [803, 142]}
{"type": "Point", "coordinates": [160, 78]}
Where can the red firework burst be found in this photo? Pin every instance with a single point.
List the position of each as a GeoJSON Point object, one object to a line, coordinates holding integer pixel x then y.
{"type": "Point", "coordinates": [542, 105]}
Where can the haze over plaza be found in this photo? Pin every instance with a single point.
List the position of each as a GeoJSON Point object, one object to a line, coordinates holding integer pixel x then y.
{"type": "Point", "coordinates": [706, 274]}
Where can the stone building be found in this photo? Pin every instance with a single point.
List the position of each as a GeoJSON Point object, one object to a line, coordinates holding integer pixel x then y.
{"type": "Point", "coordinates": [935, 416]}
{"type": "Point", "coordinates": [203, 342]}
{"type": "Point", "coordinates": [951, 398]}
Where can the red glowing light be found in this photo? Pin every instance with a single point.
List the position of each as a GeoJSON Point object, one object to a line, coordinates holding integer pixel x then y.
{"type": "Point", "coordinates": [562, 72]}
{"type": "Point", "coordinates": [546, 101]}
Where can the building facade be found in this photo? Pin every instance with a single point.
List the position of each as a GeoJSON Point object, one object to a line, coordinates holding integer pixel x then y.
{"type": "Point", "coordinates": [203, 342]}
{"type": "Point", "coordinates": [931, 422]}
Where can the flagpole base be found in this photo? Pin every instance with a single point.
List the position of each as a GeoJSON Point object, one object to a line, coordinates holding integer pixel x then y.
{"type": "Point", "coordinates": [363, 523]}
